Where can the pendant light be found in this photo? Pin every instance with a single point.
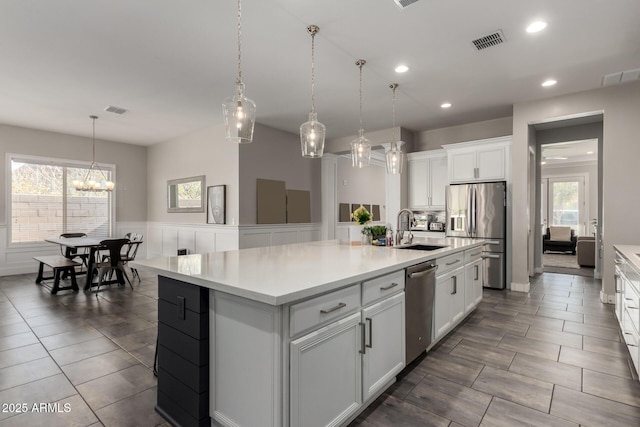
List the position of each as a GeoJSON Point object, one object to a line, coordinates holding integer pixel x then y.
{"type": "Point", "coordinates": [95, 179]}
{"type": "Point", "coordinates": [238, 110]}
{"type": "Point", "coordinates": [361, 146]}
{"type": "Point", "coordinates": [312, 133]}
{"type": "Point", "coordinates": [395, 156]}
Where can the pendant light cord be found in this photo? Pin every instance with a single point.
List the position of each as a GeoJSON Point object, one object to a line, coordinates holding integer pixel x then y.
{"type": "Point", "coordinates": [94, 139]}
{"type": "Point", "coordinates": [360, 63]}
{"type": "Point", "coordinates": [239, 80]}
{"type": "Point", "coordinates": [313, 30]}
{"type": "Point", "coordinates": [393, 86]}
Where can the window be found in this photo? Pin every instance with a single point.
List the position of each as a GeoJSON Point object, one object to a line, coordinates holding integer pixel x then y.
{"type": "Point", "coordinates": [44, 204]}
{"type": "Point", "coordinates": [563, 202]}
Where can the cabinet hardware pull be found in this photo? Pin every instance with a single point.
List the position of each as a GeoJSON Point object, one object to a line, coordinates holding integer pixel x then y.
{"type": "Point", "coordinates": [476, 272]}
{"type": "Point", "coordinates": [337, 307]}
{"type": "Point", "coordinates": [363, 345]}
{"type": "Point", "coordinates": [453, 262]}
{"type": "Point", "coordinates": [368, 319]}
{"type": "Point", "coordinates": [490, 256]}
{"type": "Point", "coordinates": [386, 288]}
{"type": "Point", "coordinates": [476, 254]}
{"type": "Point", "coordinates": [492, 242]}
{"type": "Point", "coordinates": [455, 285]}
{"type": "Point", "coordinates": [423, 272]}
{"type": "Point", "coordinates": [618, 261]}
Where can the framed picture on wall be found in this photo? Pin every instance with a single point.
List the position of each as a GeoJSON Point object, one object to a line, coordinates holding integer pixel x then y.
{"type": "Point", "coordinates": [216, 196]}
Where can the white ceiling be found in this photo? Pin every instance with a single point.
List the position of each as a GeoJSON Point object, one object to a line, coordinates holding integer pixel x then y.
{"type": "Point", "coordinates": [171, 63]}
{"type": "Point", "coordinates": [570, 152]}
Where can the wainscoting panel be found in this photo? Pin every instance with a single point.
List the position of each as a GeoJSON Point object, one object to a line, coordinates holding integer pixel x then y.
{"type": "Point", "coordinates": [166, 238]}
{"type": "Point", "coordinates": [258, 236]}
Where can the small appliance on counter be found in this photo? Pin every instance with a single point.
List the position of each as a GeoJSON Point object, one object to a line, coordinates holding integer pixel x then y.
{"type": "Point", "coordinates": [436, 226]}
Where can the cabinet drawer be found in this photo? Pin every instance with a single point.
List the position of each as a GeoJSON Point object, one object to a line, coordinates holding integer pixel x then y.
{"type": "Point", "coordinates": [320, 310]}
{"type": "Point", "coordinates": [632, 306]}
{"type": "Point", "coordinates": [471, 255]}
{"type": "Point", "coordinates": [383, 286]}
{"type": "Point", "coordinates": [631, 339]}
{"type": "Point", "coordinates": [449, 262]}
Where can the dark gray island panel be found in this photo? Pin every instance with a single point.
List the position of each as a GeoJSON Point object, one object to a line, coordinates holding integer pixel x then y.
{"type": "Point", "coordinates": [183, 352]}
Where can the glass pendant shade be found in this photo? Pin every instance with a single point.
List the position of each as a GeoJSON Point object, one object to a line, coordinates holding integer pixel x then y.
{"type": "Point", "coordinates": [312, 137]}
{"type": "Point", "coordinates": [360, 151]}
{"type": "Point", "coordinates": [239, 117]}
{"type": "Point", "coordinates": [395, 159]}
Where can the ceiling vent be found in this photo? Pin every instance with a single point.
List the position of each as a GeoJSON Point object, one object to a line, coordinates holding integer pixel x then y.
{"type": "Point", "coordinates": [116, 110]}
{"type": "Point", "coordinates": [621, 77]}
{"type": "Point", "coordinates": [404, 3]}
{"type": "Point", "coordinates": [489, 40]}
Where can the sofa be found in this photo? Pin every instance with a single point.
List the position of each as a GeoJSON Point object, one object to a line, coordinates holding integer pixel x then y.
{"type": "Point", "coordinates": [559, 239]}
{"type": "Point", "coordinates": [586, 250]}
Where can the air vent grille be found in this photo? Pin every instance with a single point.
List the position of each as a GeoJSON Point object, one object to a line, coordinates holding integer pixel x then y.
{"type": "Point", "coordinates": [489, 40]}
{"type": "Point", "coordinates": [116, 110]}
{"type": "Point", "coordinates": [404, 3]}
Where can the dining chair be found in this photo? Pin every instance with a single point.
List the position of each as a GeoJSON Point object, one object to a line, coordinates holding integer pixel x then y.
{"type": "Point", "coordinates": [135, 240]}
{"type": "Point", "coordinates": [113, 262]}
{"type": "Point", "coordinates": [72, 253]}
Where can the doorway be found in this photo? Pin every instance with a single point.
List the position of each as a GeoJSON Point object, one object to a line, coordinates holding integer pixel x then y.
{"type": "Point", "coordinates": [569, 176]}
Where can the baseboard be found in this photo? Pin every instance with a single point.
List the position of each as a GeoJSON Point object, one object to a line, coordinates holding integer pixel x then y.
{"type": "Point", "coordinates": [520, 287]}
{"type": "Point", "coordinates": [607, 299]}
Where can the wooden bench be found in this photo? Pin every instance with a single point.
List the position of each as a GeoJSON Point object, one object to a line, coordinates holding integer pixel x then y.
{"type": "Point", "coordinates": [60, 265]}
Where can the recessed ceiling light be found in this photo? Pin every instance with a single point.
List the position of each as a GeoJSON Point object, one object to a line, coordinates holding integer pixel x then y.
{"type": "Point", "coordinates": [543, 163]}
{"type": "Point", "coordinates": [445, 105]}
{"type": "Point", "coordinates": [402, 69]}
{"type": "Point", "coordinates": [536, 26]}
{"type": "Point", "coordinates": [549, 82]}
{"type": "Point", "coordinates": [589, 152]}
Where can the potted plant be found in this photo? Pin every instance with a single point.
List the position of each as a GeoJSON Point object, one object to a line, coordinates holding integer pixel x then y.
{"type": "Point", "coordinates": [367, 235]}
{"type": "Point", "coordinates": [361, 215]}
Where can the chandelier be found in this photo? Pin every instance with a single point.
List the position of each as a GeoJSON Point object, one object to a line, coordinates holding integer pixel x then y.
{"type": "Point", "coordinates": [239, 111]}
{"type": "Point", "coordinates": [361, 146]}
{"type": "Point", "coordinates": [395, 156]}
{"type": "Point", "coordinates": [312, 133]}
{"type": "Point", "coordinates": [95, 179]}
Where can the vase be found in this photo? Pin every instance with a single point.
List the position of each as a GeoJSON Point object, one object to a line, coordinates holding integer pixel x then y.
{"type": "Point", "coordinates": [366, 239]}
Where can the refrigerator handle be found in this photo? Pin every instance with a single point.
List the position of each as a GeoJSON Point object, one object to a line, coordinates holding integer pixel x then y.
{"type": "Point", "coordinates": [469, 225]}
{"type": "Point", "coordinates": [474, 230]}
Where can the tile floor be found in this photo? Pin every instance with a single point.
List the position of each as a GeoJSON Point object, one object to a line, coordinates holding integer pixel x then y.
{"type": "Point", "coordinates": [553, 357]}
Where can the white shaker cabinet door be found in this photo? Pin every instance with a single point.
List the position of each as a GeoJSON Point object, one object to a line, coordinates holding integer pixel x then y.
{"type": "Point", "coordinates": [442, 306]}
{"type": "Point", "coordinates": [418, 181]}
{"type": "Point", "coordinates": [463, 166]}
{"type": "Point", "coordinates": [385, 343]}
{"type": "Point", "coordinates": [326, 369]}
{"type": "Point", "coordinates": [438, 181]}
{"type": "Point", "coordinates": [491, 163]}
{"type": "Point", "coordinates": [473, 284]}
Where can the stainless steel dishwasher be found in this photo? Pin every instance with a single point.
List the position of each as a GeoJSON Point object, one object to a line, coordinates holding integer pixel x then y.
{"type": "Point", "coordinates": [420, 285]}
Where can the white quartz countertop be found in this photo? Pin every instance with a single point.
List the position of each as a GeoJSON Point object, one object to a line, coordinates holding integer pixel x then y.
{"type": "Point", "coordinates": [279, 275]}
{"type": "Point", "coordinates": [631, 253]}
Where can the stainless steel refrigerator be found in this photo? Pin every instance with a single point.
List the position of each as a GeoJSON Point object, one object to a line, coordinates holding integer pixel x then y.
{"type": "Point", "coordinates": [480, 211]}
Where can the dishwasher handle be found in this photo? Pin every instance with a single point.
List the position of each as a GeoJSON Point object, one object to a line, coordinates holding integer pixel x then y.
{"type": "Point", "coordinates": [424, 272]}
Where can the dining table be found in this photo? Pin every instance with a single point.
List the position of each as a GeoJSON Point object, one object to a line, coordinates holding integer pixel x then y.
{"type": "Point", "coordinates": [93, 244]}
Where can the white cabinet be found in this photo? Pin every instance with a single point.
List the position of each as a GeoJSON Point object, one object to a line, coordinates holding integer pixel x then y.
{"type": "Point", "coordinates": [478, 161]}
{"type": "Point", "coordinates": [472, 284]}
{"type": "Point", "coordinates": [628, 305]}
{"type": "Point", "coordinates": [384, 352]}
{"type": "Point", "coordinates": [427, 179]}
{"type": "Point", "coordinates": [337, 368]}
{"type": "Point", "coordinates": [449, 303]}
{"type": "Point", "coordinates": [325, 373]}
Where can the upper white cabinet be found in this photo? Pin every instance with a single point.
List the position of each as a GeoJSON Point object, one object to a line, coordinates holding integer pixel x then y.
{"type": "Point", "coordinates": [477, 161]}
{"type": "Point", "coordinates": [427, 179]}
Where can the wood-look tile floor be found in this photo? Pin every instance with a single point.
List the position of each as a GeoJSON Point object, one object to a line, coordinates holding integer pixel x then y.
{"type": "Point", "coordinates": [94, 355]}
{"type": "Point", "coordinates": [553, 357]}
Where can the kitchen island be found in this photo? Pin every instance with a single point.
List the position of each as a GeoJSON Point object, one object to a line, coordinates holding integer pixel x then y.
{"type": "Point", "coordinates": [301, 334]}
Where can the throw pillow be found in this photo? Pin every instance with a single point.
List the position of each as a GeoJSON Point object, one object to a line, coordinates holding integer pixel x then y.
{"type": "Point", "coordinates": [560, 234]}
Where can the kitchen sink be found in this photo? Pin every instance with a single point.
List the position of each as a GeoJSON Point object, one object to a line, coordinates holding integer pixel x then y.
{"type": "Point", "coordinates": [421, 247]}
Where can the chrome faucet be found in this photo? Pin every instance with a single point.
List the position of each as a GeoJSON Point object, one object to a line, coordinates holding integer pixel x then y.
{"type": "Point", "coordinates": [400, 227]}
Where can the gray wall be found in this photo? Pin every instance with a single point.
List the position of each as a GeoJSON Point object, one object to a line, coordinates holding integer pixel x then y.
{"type": "Point", "coordinates": [366, 185]}
{"type": "Point", "coordinates": [384, 136]}
{"type": "Point", "coordinates": [275, 154]}
{"type": "Point", "coordinates": [130, 161]}
{"type": "Point", "coordinates": [203, 152]}
{"type": "Point", "coordinates": [620, 173]}
{"type": "Point", "coordinates": [435, 138]}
